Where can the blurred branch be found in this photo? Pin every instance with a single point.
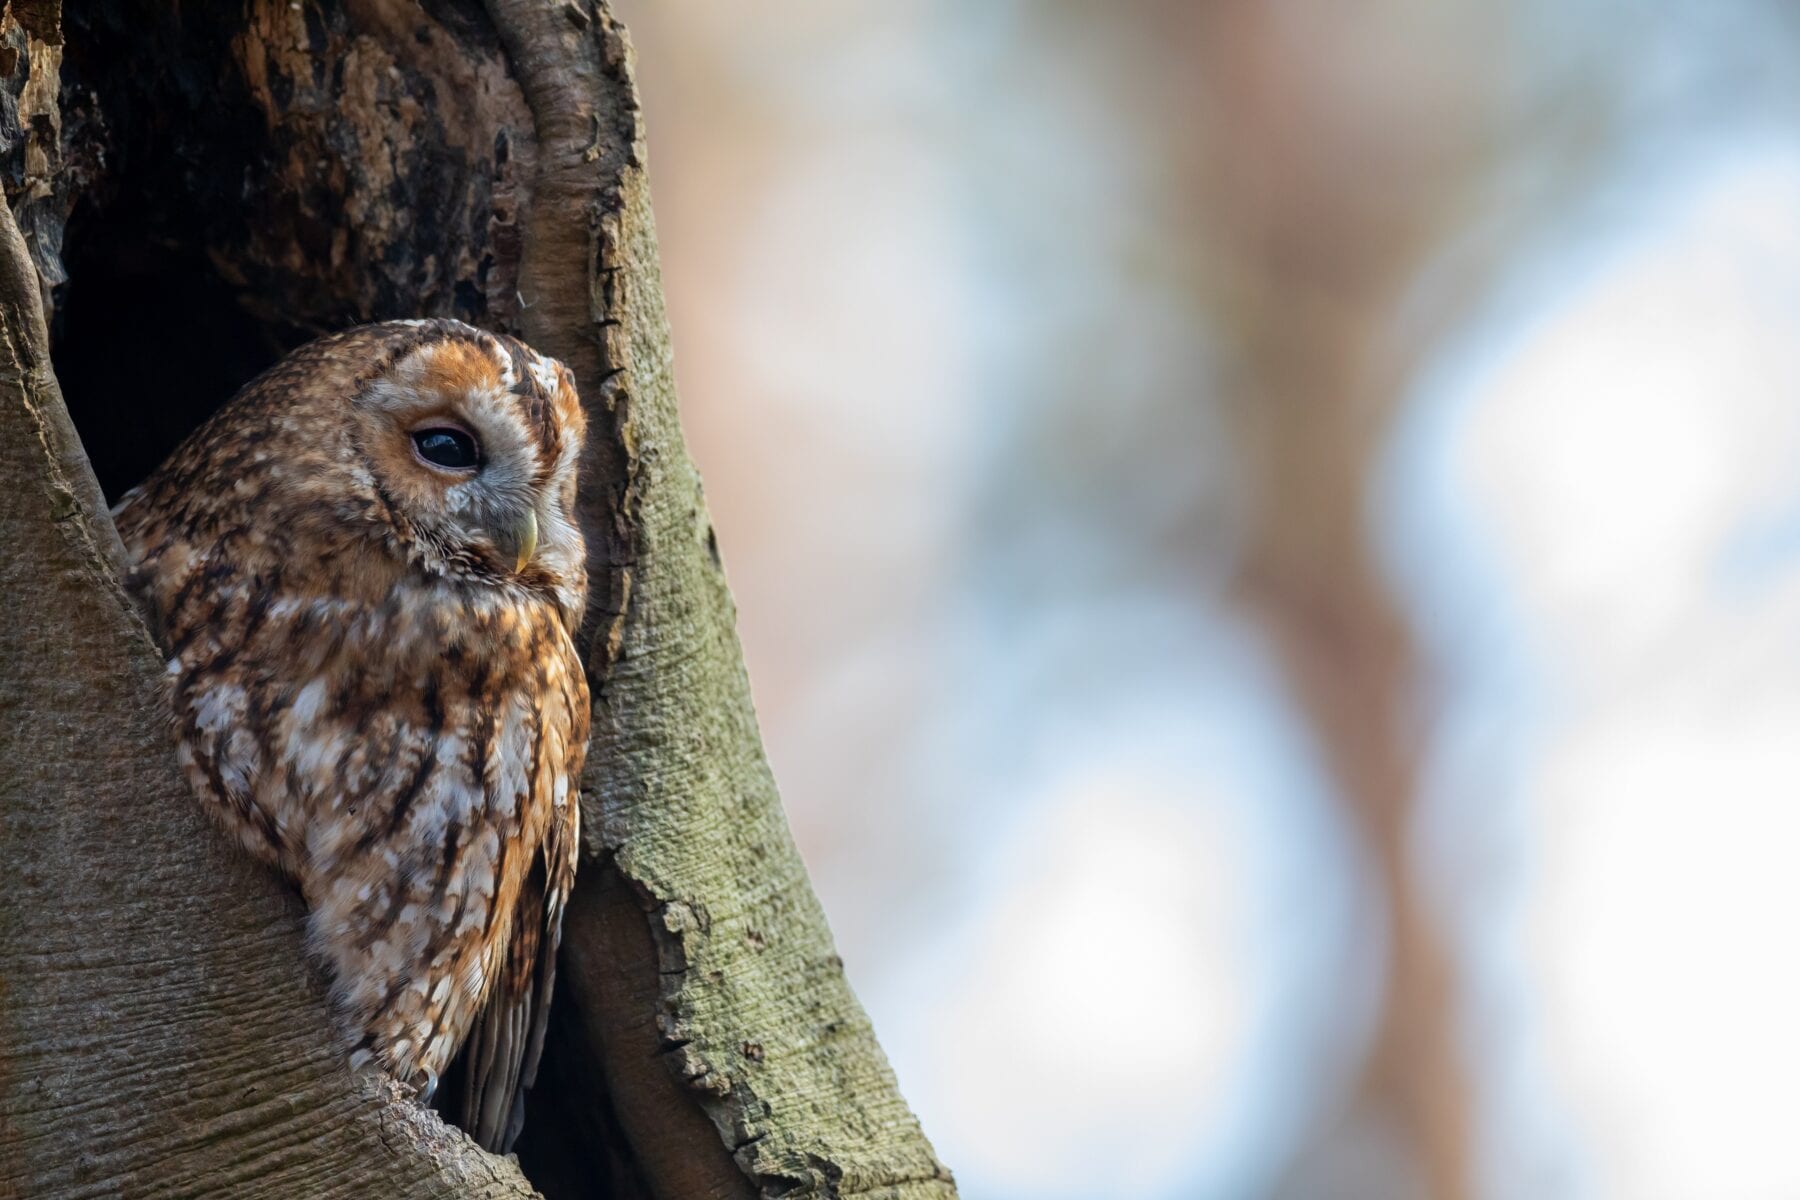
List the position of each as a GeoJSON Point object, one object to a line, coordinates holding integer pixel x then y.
{"type": "Point", "coordinates": [1331, 170]}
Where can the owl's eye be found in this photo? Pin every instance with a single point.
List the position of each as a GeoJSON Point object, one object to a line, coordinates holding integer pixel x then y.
{"type": "Point", "coordinates": [445, 447]}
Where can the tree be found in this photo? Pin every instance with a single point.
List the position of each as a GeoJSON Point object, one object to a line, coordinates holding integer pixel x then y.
{"type": "Point", "coordinates": [190, 193]}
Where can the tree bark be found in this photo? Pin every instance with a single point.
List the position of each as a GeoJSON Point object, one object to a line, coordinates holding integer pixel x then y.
{"type": "Point", "coordinates": [163, 1033]}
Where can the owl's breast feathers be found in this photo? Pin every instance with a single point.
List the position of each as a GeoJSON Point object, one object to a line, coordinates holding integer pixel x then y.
{"type": "Point", "coordinates": [412, 762]}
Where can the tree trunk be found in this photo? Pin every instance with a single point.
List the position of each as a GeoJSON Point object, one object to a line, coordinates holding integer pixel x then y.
{"type": "Point", "coordinates": [198, 194]}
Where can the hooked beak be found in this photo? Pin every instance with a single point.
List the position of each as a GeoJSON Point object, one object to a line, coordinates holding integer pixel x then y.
{"type": "Point", "coordinates": [521, 539]}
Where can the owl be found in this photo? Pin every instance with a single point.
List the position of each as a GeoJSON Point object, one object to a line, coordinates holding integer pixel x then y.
{"type": "Point", "coordinates": [366, 572]}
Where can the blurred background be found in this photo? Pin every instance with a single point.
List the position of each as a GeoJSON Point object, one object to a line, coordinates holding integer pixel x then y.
{"type": "Point", "coordinates": [1267, 539]}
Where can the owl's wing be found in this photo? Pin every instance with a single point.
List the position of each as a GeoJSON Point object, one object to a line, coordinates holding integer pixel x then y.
{"type": "Point", "coordinates": [507, 1041]}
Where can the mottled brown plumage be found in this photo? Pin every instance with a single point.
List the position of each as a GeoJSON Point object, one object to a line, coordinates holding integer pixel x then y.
{"type": "Point", "coordinates": [373, 678]}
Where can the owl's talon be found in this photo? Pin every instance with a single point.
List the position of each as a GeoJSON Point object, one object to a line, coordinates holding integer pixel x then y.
{"type": "Point", "coordinates": [428, 1089]}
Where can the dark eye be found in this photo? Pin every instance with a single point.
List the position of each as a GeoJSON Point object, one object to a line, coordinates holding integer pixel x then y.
{"type": "Point", "coordinates": [447, 448]}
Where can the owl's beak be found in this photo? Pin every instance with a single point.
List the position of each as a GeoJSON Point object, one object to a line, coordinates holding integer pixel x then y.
{"type": "Point", "coordinates": [521, 539]}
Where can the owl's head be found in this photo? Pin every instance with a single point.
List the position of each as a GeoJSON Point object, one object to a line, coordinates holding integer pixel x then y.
{"type": "Point", "coordinates": [473, 440]}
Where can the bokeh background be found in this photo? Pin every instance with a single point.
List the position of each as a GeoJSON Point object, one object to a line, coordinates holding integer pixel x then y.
{"type": "Point", "coordinates": [1267, 539]}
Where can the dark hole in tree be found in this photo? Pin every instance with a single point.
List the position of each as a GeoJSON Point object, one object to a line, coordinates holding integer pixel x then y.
{"type": "Point", "coordinates": [148, 342]}
{"type": "Point", "coordinates": [574, 1151]}
{"type": "Point", "coordinates": [147, 337]}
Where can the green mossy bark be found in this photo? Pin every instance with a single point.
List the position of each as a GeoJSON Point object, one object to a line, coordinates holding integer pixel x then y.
{"type": "Point", "coordinates": [756, 1016]}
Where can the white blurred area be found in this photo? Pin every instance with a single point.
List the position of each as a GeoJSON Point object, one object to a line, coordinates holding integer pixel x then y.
{"type": "Point", "coordinates": [950, 381]}
{"type": "Point", "coordinates": [1619, 456]}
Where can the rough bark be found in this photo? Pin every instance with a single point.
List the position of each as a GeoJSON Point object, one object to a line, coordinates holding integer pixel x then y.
{"type": "Point", "coordinates": [163, 1034]}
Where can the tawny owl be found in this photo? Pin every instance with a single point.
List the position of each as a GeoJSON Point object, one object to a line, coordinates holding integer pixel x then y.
{"type": "Point", "coordinates": [367, 573]}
